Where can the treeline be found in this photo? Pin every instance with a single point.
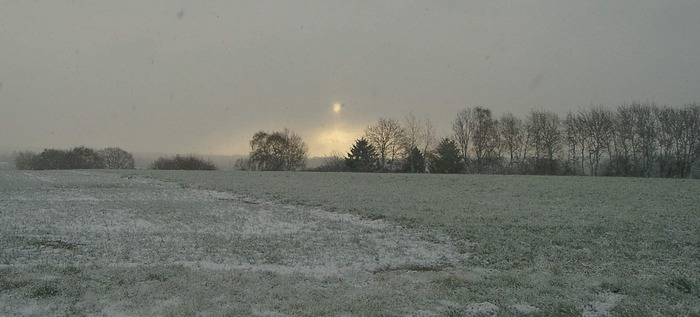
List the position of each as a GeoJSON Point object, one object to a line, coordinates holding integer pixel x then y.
{"type": "Point", "coordinates": [638, 139]}
{"type": "Point", "coordinates": [76, 158]}
{"type": "Point", "coordinates": [178, 162]}
{"type": "Point", "coordinates": [108, 158]}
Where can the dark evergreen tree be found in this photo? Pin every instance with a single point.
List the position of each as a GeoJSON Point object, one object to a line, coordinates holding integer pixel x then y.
{"type": "Point", "coordinates": [447, 158]}
{"type": "Point", "coordinates": [415, 162]}
{"type": "Point", "coordinates": [362, 157]}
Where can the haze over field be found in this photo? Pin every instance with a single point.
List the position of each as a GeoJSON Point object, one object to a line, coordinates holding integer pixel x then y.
{"type": "Point", "coordinates": [203, 77]}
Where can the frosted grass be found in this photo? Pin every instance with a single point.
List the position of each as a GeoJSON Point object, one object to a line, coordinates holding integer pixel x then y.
{"type": "Point", "coordinates": [90, 223]}
{"type": "Point", "coordinates": [284, 244]}
{"type": "Point", "coordinates": [558, 244]}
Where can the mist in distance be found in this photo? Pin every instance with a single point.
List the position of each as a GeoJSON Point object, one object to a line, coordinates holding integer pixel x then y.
{"type": "Point", "coordinates": [203, 77]}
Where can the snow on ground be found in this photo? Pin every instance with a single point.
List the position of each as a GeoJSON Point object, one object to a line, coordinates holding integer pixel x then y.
{"type": "Point", "coordinates": [77, 219]}
{"type": "Point", "coordinates": [603, 307]}
{"type": "Point", "coordinates": [90, 209]}
{"type": "Point", "coordinates": [109, 220]}
{"type": "Point", "coordinates": [235, 243]}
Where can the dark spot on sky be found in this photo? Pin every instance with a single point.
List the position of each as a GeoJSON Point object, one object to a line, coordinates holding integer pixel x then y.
{"type": "Point", "coordinates": [536, 81]}
{"type": "Point", "coordinates": [181, 14]}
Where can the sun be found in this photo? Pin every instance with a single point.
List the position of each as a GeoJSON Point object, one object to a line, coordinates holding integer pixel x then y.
{"type": "Point", "coordinates": [337, 107]}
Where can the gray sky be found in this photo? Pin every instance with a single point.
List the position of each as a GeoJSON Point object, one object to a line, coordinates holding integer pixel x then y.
{"type": "Point", "coordinates": [203, 76]}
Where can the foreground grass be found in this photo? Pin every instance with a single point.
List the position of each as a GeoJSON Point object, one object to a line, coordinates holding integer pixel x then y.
{"type": "Point", "coordinates": [543, 246]}
{"type": "Point", "coordinates": [556, 243]}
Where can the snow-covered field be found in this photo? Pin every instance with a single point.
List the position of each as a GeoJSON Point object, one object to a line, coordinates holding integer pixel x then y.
{"type": "Point", "coordinates": [171, 243]}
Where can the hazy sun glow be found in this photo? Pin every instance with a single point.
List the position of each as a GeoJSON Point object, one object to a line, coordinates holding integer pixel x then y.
{"type": "Point", "coordinates": [334, 139]}
{"type": "Point", "coordinates": [337, 106]}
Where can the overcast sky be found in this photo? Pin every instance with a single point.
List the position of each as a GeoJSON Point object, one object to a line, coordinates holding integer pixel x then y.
{"type": "Point", "coordinates": [203, 76]}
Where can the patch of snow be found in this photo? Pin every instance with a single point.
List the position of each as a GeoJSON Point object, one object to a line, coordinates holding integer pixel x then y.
{"type": "Point", "coordinates": [525, 309]}
{"type": "Point", "coordinates": [481, 310]}
{"type": "Point", "coordinates": [140, 220]}
{"type": "Point", "coordinates": [317, 271]}
{"type": "Point", "coordinates": [603, 307]}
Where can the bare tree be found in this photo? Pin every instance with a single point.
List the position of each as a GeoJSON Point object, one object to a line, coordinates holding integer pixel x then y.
{"type": "Point", "coordinates": [668, 124]}
{"type": "Point", "coordinates": [544, 139]}
{"type": "Point", "coordinates": [388, 138]}
{"type": "Point", "coordinates": [689, 147]}
{"type": "Point", "coordinates": [413, 129]}
{"type": "Point", "coordinates": [624, 151]}
{"type": "Point", "coordinates": [485, 140]}
{"type": "Point", "coordinates": [242, 164]}
{"type": "Point", "coordinates": [277, 151]}
{"type": "Point", "coordinates": [574, 137]}
{"type": "Point", "coordinates": [334, 162]}
{"type": "Point", "coordinates": [512, 134]}
{"type": "Point", "coordinates": [678, 131]}
{"type": "Point", "coordinates": [646, 129]}
{"type": "Point", "coordinates": [428, 136]}
{"type": "Point", "coordinates": [27, 160]}
{"type": "Point", "coordinates": [462, 128]}
{"type": "Point", "coordinates": [598, 129]}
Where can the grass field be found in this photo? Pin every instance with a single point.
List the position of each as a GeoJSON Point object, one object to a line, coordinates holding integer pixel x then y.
{"type": "Point", "coordinates": [276, 244]}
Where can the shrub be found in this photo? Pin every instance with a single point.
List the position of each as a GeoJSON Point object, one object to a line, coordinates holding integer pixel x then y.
{"type": "Point", "coordinates": [116, 158]}
{"type": "Point", "coordinates": [84, 158]}
{"type": "Point", "coordinates": [52, 159]}
{"type": "Point", "coordinates": [26, 160]}
{"type": "Point", "coordinates": [78, 158]}
{"type": "Point", "coordinates": [242, 164]}
{"type": "Point", "coordinates": [332, 163]}
{"type": "Point", "coordinates": [182, 163]}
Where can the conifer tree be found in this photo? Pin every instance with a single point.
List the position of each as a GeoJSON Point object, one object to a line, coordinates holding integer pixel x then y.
{"type": "Point", "coordinates": [415, 162]}
{"type": "Point", "coordinates": [447, 158]}
{"type": "Point", "coordinates": [362, 157]}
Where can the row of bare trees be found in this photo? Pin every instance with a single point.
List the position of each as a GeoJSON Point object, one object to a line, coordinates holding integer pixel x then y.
{"type": "Point", "coordinates": [394, 142]}
{"type": "Point", "coordinates": [638, 139]}
{"type": "Point", "coordinates": [635, 140]}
